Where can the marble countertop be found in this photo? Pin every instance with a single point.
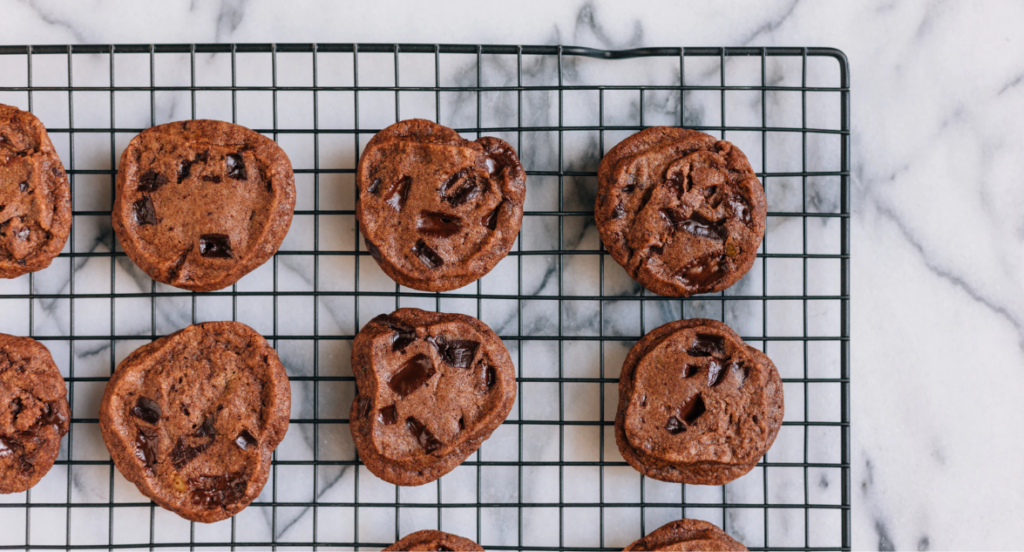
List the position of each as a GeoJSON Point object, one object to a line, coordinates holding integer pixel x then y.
{"type": "Point", "coordinates": [937, 293]}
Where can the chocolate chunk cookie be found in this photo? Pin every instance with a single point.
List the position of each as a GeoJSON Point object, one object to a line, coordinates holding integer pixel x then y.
{"type": "Point", "coordinates": [696, 404]}
{"type": "Point", "coordinates": [202, 203]}
{"type": "Point", "coordinates": [681, 211]}
{"type": "Point", "coordinates": [431, 388]}
{"type": "Point", "coordinates": [436, 211]}
{"type": "Point", "coordinates": [34, 412]}
{"type": "Point", "coordinates": [35, 198]}
{"type": "Point", "coordinates": [691, 535]}
{"type": "Point", "coordinates": [434, 540]}
{"type": "Point", "coordinates": [193, 418]}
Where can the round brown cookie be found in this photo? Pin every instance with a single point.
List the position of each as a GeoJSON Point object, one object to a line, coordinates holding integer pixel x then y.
{"type": "Point", "coordinates": [690, 535]}
{"type": "Point", "coordinates": [34, 412]}
{"type": "Point", "coordinates": [437, 211]}
{"type": "Point", "coordinates": [434, 540]}
{"type": "Point", "coordinates": [201, 203]}
{"type": "Point", "coordinates": [431, 387]}
{"type": "Point", "coordinates": [697, 405]}
{"type": "Point", "coordinates": [193, 418]}
{"type": "Point", "coordinates": [35, 198]}
{"type": "Point", "coordinates": [681, 211]}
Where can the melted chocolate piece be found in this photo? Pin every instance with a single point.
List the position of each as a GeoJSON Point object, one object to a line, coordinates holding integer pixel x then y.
{"type": "Point", "coordinates": [374, 186]}
{"type": "Point", "coordinates": [374, 252]}
{"type": "Point", "coordinates": [215, 491]}
{"type": "Point", "coordinates": [491, 220]}
{"type": "Point", "coordinates": [364, 407]}
{"type": "Point", "coordinates": [207, 429]}
{"type": "Point", "coordinates": [458, 352]}
{"type": "Point", "coordinates": [147, 410]}
{"type": "Point", "coordinates": [236, 166]}
{"type": "Point", "coordinates": [441, 225]}
{"type": "Point", "coordinates": [184, 170]}
{"type": "Point", "coordinates": [145, 446]}
{"type": "Point", "coordinates": [693, 409]}
{"type": "Point", "coordinates": [739, 208]}
{"type": "Point", "coordinates": [490, 377]}
{"type": "Point", "coordinates": [715, 372]}
{"type": "Point", "coordinates": [388, 415]}
{"type": "Point", "coordinates": [427, 255]}
{"type": "Point", "coordinates": [674, 426]}
{"type": "Point", "coordinates": [151, 181]}
{"type": "Point", "coordinates": [216, 246]}
{"type": "Point", "coordinates": [702, 272]}
{"type": "Point", "coordinates": [453, 179]}
{"type": "Point", "coordinates": [23, 187]}
{"type": "Point", "coordinates": [740, 369]}
{"type": "Point", "coordinates": [145, 213]}
{"type": "Point", "coordinates": [398, 193]}
{"type": "Point", "coordinates": [707, 345]}
{"type": "Point", "coordinates": [466, 193]}
{"type": "Point", "coordinates": [423, 435]}
{"type": "Point", "coordinates": [690, 369]}
{"type": "Point", "coordinates": [704, 228]}
{"type": "Point", "coordinates": [183, 453]}
{"type": "Point", "coordinates": [618, 211]}
{"type": "Point", "coordinates": [215, 179]}
{"type": "Point", "coordinates": [245, 440]}
{"type": "Point", "coordinates": [415, 373]}
{"type": "Point", "coordinates": [404, 335]}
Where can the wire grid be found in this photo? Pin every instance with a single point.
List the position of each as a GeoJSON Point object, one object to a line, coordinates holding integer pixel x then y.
{"type": "Point", "coordinates": [639, 511]}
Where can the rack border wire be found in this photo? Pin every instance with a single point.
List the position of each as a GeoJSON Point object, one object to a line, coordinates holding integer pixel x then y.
{"type": "Point", "coordinates": [560, 254]}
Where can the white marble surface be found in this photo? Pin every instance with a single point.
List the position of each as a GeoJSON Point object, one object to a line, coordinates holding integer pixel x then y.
{"type": "Point", "coordinates": [937, 298]}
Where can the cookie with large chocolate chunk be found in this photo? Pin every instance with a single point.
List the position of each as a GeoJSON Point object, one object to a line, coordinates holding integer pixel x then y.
{"type": "Point", "coordinates": [681, 211]}
{"type": "Point", "coordinates": [434, 540]}
{"type": "Point", "coordinates": [201, 203]}
{"type": "Point", "coordinates": [436, 211]}
{"type": "Point", "coordinates": [431, 387]}
{"type": "Point", "coordinates": [697, 405]}
{"type": "Point", "coordinates": [35, 198]}
{"type": "Point", "coordinates": [193, 418]}
{"type": "Point", "coordinates": [691, 535]}
{"type": "Point", "coordinates": [34, 412]}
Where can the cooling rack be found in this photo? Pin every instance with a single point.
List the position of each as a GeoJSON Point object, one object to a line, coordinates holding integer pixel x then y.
{"type": "Point", "coordinates": [550, 478]}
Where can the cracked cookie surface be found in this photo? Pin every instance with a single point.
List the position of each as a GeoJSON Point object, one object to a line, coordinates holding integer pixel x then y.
{"type": "Point", "coordinates": [434, 540]}
{"type": "Point", "coordinates": [689, 535]}
{"type": "Point", "coordinates": [436, 211]}
{"type": "Point", "coordinates": [201, 203]}
{"type": "Point", "coordinates": [35, 198]}
{"type": "Point", "coordinates": [681, 211]}
{"type": "Point", "coordinates": [431, 387]}
{"type": "Point", "coordinates": [697, 405]}
{"type": "Point", "coordinates": [34, 412]}
{"type": "Point", "coordinates": [193, 418]}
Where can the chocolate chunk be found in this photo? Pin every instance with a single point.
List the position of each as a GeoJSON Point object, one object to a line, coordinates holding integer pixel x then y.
{"type": "Point", "coordinates": [216, 246]}
{"type": "Point", "coordinates": [374, 186]}
{"type": "Point", "coordinates": [212, 178]}
{"type": "Point", "coordinates": [739, 208]}
{"type": "Point", "coordinates": [404, 335]}
{"type": "Point", "coordinates": [692, 409]}
{"type": "Point", "coordinates": [236, 166]}
{"type": "Point", "coordinates": [690, 369]}
{"type": "Point", "coordinates": [374, 252]}
{"type": "Point", "coordinates": [151, 181]}
{"type": "Point", "coordinates": [707, 345]}
{"type": "Point", "coordinates": [145, 446]}
{"type": "Point", "coordinates": [618, 211]}
{"type": "Point", "coordinates": [184, 170]}
{"type": "Point", "coordinates": [703, 272]}
{"type": "Point", "coordinates": [245, 440]}
{"type": "Point", "coordinates": [145, 213]}
{"type": "Point", "coordinates": [147, 410]}
{"type": "Point", "coordinates": [183, 453]}
{"type": "Point", "coordinates": [464, 194]}
{"type": "Point", "coordinates": [427, 255]}
{"type": "Point", "coordinates": [704, 228]}
{"type": "Point", "coordinates": [674, 426]}
{"type": "Point", "coordinates": [740, 369]}
{"type": "Point", "coordinates": [207, 429]}
{"type": "Point", "coordinates": [217, 491]}
{"type": "Point", "coordinates": [364, 407]}
{"type": "Point", "coordinates": [460, 352]}
{"type": "Point", "coordinates": [715, 372]}
{"type": "Point", "coordinates": [398, 193]}
{"type": "Point", "coordinates": [23, 187]}
{"type": "Point", "coordinates": [491, 377]}
{"type": "Point", "coordinates": [452, 180]}
{"type": "Point", "coordinates": [438, 224]}
{"type": "Point", "coordinates": [388, 415]}
{"type": "Point", "coordinates": [415, 373]}
{"type": "Point", "coordinates": [423, 435]}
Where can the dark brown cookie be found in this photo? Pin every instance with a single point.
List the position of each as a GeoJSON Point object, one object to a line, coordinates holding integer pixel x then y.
{"type": "Point", "coordinates": [436, 211]}
{"type": "Point", "coordinates": [681, 211]}
{"type": "Point", "coordinates": [35, 198]}
{"type": "Point", "coordinates": [34, 412]}
{"type": "Point", "coordinates": [431, 388]}
{"type": "Point", "coordinates": [434, 540]}
{"type": "Point", "coordinates": [193, 418]}
{"type": "Point", "coordinates": [690, 535]}
{"type": "Point", "coordinates": [202, 203]}
{"type": "Point", "coordinates": [697, 405]}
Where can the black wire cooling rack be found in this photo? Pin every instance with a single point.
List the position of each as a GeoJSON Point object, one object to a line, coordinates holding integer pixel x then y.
{"type": "Point", "coordinates": [550, 478]}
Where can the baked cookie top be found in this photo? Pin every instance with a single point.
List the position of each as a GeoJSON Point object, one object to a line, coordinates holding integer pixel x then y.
{"type": "Point", "coordinates": [34, 412]}
{"type": "Point", "coordinates": [431, 388]}
{"type": "Point", "coordinates": [696, 404]}
{"type": "Point", "coordinates": [689, 535]}
{"type": "Point", "coordinates": [681, 211]}
{"type": "Point", "coordinates": [35, 198]}
{"type": "Point", "coordinates": [200, 203]}
{"type": "Point", "coordinates": [193, 418]}
{"type": "Point", "coordinates": [436, 211]}
{"type": "Point", "coordinates": [434, 540]}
